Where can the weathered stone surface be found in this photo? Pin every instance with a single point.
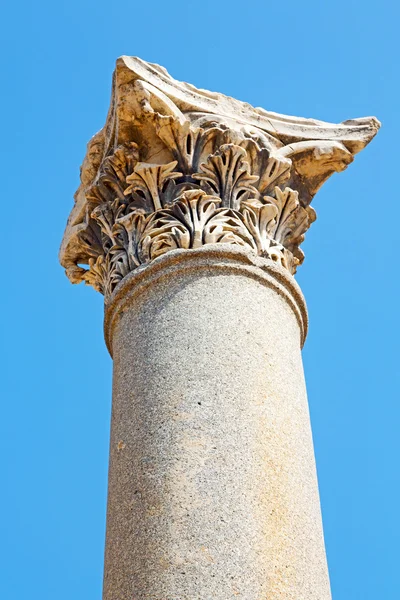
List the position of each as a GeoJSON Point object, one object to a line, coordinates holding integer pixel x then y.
{"type": "Point", "coordinates": [213, 491]}
{"type": "Point", "coordinates": [178, 167]}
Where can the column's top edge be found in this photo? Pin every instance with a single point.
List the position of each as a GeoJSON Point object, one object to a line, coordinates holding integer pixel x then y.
{"type": "Point", "coordinates": [206, 261]}
{"type": "Point", "coordinates": [355, 134]}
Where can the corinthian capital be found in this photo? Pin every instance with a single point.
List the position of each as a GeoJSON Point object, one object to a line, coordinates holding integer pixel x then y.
{"type": "Point", "coordinates": [178, 167]}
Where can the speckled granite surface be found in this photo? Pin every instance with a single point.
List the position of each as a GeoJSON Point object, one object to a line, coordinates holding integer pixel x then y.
{"type": "Point", "coordinates": [213, 491]}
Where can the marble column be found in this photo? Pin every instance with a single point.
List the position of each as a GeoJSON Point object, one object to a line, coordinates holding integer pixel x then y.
{"type": "Point", "coordinates": [189, 219]}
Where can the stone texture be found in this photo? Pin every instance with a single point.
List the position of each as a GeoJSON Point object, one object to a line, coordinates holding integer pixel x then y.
{"type": "Point", "coordinates": [178, 167]}
{"type": "Point", "coordinates": [213, 490]}
{"type": "Point", "coordinates": [189, 219]}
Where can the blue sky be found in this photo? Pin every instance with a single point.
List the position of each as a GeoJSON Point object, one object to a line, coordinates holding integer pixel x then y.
{"type": "Point", "coordinates": [327, 60]}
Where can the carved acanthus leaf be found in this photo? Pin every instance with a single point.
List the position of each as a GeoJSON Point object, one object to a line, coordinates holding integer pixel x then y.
{"type": "Point", "coordinates": [99, 274]}
{"type": "Point", "coordinates": [163, 232]}
{"type": "Point", "coordinates": [127, 233]}
{"type": "Point", "coordinates": [111, 181]}
{"type": "Point", "coordinates": [227, 175]}
{"type": "Point", "coordinates": [272, 171]}
{"type": "Point", "coordinates": [260, 219]}
{"type": "Point", "coordinates": [148, 183]}
{"type": "Point", "coordinates": [181, 139]}
{"type": "Point", "coordinates": [292, 220]}
{"type": "Point", "coordinates": [227, 227]}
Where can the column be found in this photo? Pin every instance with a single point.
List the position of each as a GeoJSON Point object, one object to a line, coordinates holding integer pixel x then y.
{"type": "Point", "coordinates": [189, 220]}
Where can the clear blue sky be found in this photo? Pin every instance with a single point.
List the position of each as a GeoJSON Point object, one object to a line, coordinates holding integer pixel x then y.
{"type": "Point", "coordinates": [328, 60]}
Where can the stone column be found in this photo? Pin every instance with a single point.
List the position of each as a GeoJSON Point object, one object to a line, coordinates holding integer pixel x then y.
{"type": "Point", "coordinates": [189, 218]}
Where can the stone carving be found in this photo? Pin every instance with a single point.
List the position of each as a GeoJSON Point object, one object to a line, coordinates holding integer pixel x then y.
{"type": "Point", "coordinates": [177, 167]}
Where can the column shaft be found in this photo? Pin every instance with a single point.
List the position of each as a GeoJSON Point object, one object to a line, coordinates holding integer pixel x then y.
{"type": "Point", "coordinates": [212, 485]}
